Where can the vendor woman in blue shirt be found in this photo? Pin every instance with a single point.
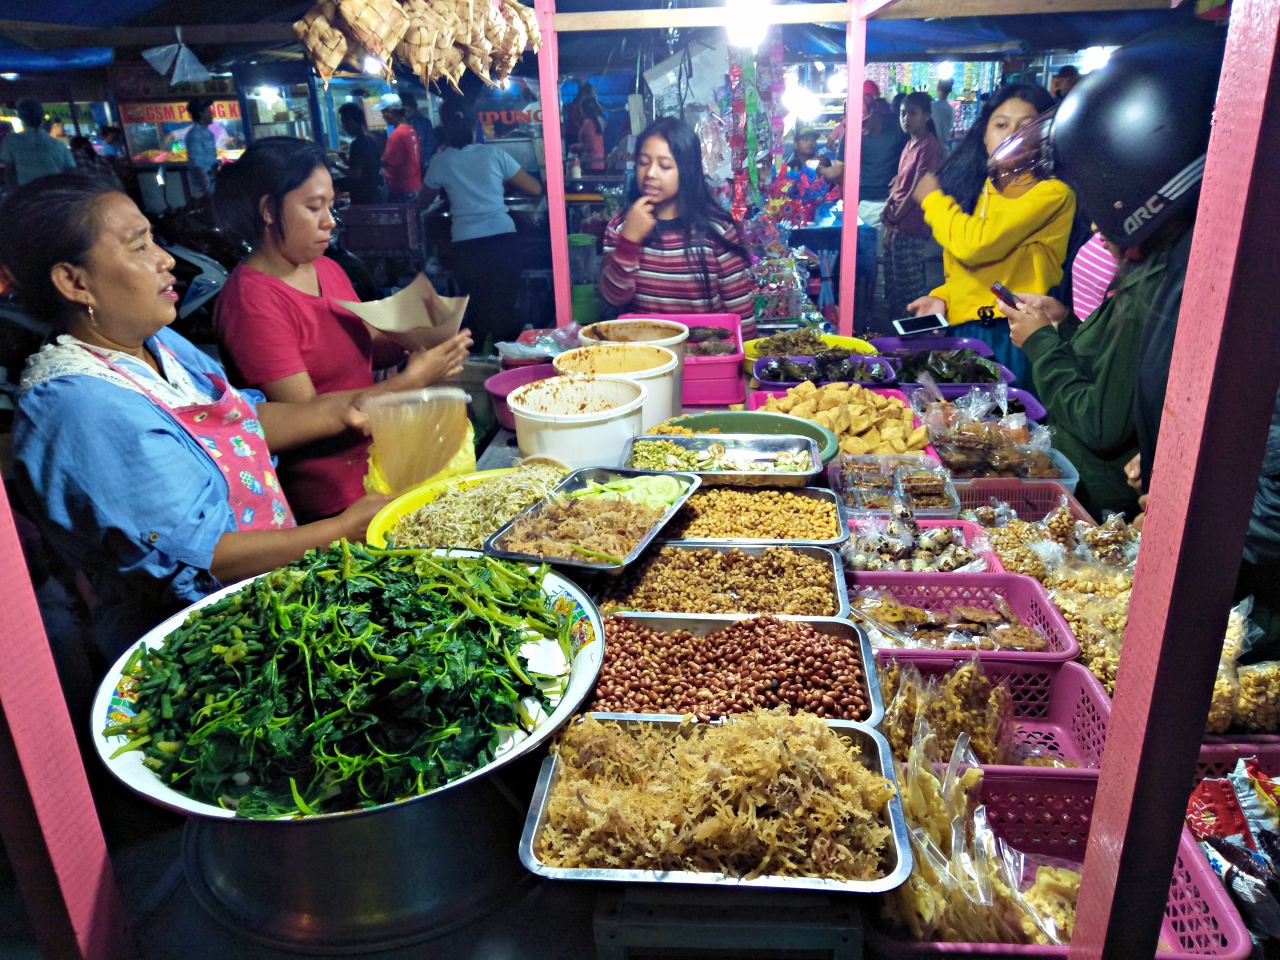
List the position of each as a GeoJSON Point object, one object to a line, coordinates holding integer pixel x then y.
{"type": "Point", "coordinates": [144, 468]}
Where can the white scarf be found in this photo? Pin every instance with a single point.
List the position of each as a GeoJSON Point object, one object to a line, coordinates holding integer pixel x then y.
{"type": "Point", "coordinates": [70, 357]}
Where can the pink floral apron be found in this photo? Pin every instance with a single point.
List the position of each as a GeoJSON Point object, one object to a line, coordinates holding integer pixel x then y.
{"type": "Point", "coordinates": [229, 433]}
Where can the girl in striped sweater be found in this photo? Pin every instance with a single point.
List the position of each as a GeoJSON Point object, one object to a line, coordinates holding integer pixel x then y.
{"type": "Point", "coordinates": [674, 250]}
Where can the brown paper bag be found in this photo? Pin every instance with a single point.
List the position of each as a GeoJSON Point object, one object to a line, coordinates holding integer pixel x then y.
{"type": "Point", "coordinates": [416, 317]}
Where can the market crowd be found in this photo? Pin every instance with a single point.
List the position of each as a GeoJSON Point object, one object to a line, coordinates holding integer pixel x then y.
{"type": "Point", "coordinates": [155, 476]}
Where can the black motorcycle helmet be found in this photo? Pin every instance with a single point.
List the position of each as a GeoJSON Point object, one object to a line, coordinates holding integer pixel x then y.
{"type": "Point", "coordinates": [1130, 139]}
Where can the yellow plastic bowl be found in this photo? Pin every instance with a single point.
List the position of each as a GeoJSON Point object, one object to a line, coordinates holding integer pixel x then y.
{"type": "Point", "coordinates": [751, 348]}
{"type": "Point", "coordinates": [385, 519]}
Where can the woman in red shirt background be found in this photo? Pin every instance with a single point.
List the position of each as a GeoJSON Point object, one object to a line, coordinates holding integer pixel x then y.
{"type": "Point", "coordinates": [281, 326]}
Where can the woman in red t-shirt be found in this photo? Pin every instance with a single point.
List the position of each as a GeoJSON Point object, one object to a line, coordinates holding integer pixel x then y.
{"type": "Point", "coordinates": [281, 325]}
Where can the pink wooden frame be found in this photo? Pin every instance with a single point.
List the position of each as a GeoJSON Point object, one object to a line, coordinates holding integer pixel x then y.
{"type": "Point", "coordinates": [553, 163]}
{"type": "Point", "coordinates": [47, 817]}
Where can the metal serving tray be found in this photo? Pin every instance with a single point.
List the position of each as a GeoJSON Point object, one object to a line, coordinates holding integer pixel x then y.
{"type": "Point", "coordinates": [745, 443]}
{"type": "Point", "coordinates": [811, 493]}
{"type": "Point", "coordinates": [578, 480]}
{"type": "Point", "coordinates": [700, 626]}
{"type": "Point", "coordinates": [875, 755]}
{"type": "Point", "coordinates": [840, 587]}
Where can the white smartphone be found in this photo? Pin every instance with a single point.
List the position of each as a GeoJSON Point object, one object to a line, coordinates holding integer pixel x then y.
{"type": "Point", "coordinates": [910, 326]}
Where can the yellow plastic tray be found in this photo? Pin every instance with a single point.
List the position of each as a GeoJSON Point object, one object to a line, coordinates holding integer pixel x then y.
{"type": "Point", "coordinates": [752, 348]}
{"type": "Point", "coordinates": [385, 519]}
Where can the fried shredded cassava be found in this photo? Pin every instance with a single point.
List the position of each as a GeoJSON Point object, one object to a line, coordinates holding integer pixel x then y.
{"type": "Point", "coordinates": [567, 528]}
{"type": "Point", "coordinates": [767, 793]}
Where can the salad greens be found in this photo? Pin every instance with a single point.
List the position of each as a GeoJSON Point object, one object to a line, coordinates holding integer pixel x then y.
{"type": "Point", "coordinates": [350, 678]}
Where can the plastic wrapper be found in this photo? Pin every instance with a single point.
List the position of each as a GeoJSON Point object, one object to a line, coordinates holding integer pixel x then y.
{"type": "Point", "coordinates": [1258, 907]}
{"type": "Point", "coordinates": [1213, 810]}
{"type": "Point", "coordinates": [1257, 707]}
{"type": "Point", "coordinates": [968, 884]}
{"type": "Point", "coordinates": [996, 513]}
{"type": "Point", "coordinates": [962, 627]}
{"type": "Point", "coordinates": [897, 543]}
{"type": "Point", "coordinates": [779, 289]}
{"type": "Point", "coordinates": [1113, 543]}
{"type": "Point", "coordinates": [973, 445]}
{"type": "Point", "coordinates": [964, 701]}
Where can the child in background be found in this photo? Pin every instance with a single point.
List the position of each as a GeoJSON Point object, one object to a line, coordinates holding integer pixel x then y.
{"type": "Point", "coordinates": [908, 242]}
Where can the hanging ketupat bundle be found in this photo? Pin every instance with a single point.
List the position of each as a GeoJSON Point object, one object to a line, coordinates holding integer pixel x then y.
{"type": "Point", "coordinates": [324, 42]}
{"type": "Point", "coordinates": [437, 39]}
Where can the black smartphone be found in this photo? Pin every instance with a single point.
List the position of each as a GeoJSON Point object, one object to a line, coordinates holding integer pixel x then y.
{"type": "Point", "coordinates": [909, 326]}
{"type": "Point", "coordinates": [1005, 295]}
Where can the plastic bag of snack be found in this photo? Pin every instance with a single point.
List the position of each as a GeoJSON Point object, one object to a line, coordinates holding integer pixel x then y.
{"type": "Point", "coordinates": [1112, 543]}
{"type": "Point", "coordinates": [994, 514]}
{"type": "Point", "coordinates": [1245, 878]}
{"type": "Point", "coordinates": [1257, 708]}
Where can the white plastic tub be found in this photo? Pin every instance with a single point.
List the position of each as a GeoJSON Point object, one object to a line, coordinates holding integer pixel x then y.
{"type": "Point", "coordinates": [655, 367]}
{"type": "Point", "coordinates": [653, 331]}
{"type": "Point", "coordinates": [582, 421]}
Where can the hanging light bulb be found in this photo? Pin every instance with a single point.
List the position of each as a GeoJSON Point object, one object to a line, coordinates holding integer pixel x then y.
{"type": "Point", "coordinates": [838, 82]}
{"type": "Point", "coordinates": [946, 71]}
{"type": "Point", "coordinates": [801, 102]}
{"type": "Point", "coordinates": [372, 65]}
{"type": "Point", "coordinates": [745, 22]}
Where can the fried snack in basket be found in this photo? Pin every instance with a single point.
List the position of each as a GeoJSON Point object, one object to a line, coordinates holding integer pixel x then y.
{"type": "Point", "coordinates": [963, 701]}
{"type": "Point", "coordinates": [863, 421]}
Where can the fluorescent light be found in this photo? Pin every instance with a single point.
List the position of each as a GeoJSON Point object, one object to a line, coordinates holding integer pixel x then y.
{"type": "Point", "coordinates": [1095, 58]}
{"type": "Point", "coordinates": [745, 23]}
{"type": "Point", "coordinates": [9, 76]}
{"type": "Point", "coordinates": [946, 71]}
{"type": "Point", "coordinates": [819, 66]}
{"type": "Point", "coordinates": [838, 82]}
{"type": "Point", "coordinates": [372, 65]}
{"type": "Point", "coordinates": [801, 102]}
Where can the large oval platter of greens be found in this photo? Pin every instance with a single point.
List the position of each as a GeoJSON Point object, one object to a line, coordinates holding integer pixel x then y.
{"type": "Point", "coordinates": [353, 678]}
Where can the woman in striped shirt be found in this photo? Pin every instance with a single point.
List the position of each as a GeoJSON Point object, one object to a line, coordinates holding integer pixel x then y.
{"type": "Point", "coordinates": [674, 250]}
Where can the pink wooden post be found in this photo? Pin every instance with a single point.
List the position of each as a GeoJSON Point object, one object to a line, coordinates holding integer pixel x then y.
{"type": "Point", "coordinates": [1222, 387]}
{"type": "Point", "coordinates": [47, 818]}
{"type": "Point", "coordinates": [553, 164]}
{"type": "Point", "coordinates": [855, 59]}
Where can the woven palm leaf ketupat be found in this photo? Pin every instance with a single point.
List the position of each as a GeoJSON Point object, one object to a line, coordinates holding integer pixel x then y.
{"type": "Point", "coordinates": [378, 25]}
{"type": "Point", "coordinates": [324, 42]}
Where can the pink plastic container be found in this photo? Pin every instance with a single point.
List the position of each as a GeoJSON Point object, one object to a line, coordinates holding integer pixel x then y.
{"type": "Point", "coordinates": [501, 384]}
{"type": "Point", "coordinates": [1219, 755]}
{"type": "Point", "coordinates": [942, 591]}
{"type": "Point", "coordinates": [1033, 499]}
{"type": "Point", "coordinates": [1059, 709]}
{"type": "Point", "coordinates": [758, 398]}
{"type": "Point", "coordinates": [972, 533]}
{"type": "Point", "coordinates": [713, 393]}
{"type": "Point", "coordinates": [705, 368]}
{"type": "Point", "coordinates": [1048, 813]}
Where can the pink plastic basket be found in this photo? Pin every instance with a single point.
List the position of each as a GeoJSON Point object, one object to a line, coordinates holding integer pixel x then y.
{"type": "Point", "coordinates": [758, 398]}
{"type": "Point", "coordinates": [1060, 709]}
{"type": "Point", "coordinates": [972, 533]}
{"type": "Point", "coordinates": [1219, 755]}
{"type": "Point", "coordinates": [1033, 499]}
{"type": "Point", "coordinates": [942, 591]}
{"type": "Point", "coordinates": [705, 368]}
{"type": "Point", "coordinates": [1040, 813]}
{"type": "Point", "coordinates": [715, 393]}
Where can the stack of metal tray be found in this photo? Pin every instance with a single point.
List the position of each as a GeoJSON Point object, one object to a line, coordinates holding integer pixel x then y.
{"type": "Point", "coordinates": [875, 755]}
{"type": "Point", "coordinates": [578, 480]}
{"type": "Point", "coordinates": [747, 445]}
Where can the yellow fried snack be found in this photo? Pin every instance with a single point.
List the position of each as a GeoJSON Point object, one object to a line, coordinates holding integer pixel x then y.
{"type": "Point", "coordinates": [862, 420]}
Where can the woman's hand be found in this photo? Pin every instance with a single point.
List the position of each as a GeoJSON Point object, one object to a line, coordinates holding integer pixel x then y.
{"type": "Point", "coordinates": [1141, 518]}
{"type": "Point", "coordinates": [1054, 309]}
{"type": "Point", "coordinates": [925, 186]}
{"type": "Point", "coordinates": [924, 306]}
{"type": "Point", "coordinates": [1025, 321]}
{"type": "Point", "coordinates": [354, 521]}
{"type": "Point", "coordinates": [441, 362]}
{"type": "Point", "coordinates": [640, 220]}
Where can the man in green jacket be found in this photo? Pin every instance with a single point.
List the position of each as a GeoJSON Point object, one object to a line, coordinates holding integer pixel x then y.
{"type": "Point", "coordinates": [1086, 373]}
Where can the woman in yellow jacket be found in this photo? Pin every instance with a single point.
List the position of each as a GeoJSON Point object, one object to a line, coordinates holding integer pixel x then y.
{"type": "Point", "coordinates": [1016, 234]}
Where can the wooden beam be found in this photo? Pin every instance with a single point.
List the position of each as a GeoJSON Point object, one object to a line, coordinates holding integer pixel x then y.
{"type": "Point", "coordinates": [855, 58]}
{"type": "Point", "coordinates": [1221, 392]}
{"type": "Point", "coordinates": [48, 821]}
{"type": "Point", "coordinates": [50, 36]}
{"type": "Point", "coordinates": [930, 9]}
{"type": "Point", "coordinates": [553, 160]}
{"type": "Point", "coordinates": [714, 16]}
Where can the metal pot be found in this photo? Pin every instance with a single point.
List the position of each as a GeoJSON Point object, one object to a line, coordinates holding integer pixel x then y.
{"type": "Point", "coordinates": [354, 883]}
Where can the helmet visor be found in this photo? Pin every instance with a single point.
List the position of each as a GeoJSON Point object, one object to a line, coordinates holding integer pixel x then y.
{"type": "Point", "coordinates": [1027, 153]}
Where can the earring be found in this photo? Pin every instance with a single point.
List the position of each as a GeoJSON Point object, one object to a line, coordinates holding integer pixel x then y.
{"type": "Point", "coordinates": [93, 321]}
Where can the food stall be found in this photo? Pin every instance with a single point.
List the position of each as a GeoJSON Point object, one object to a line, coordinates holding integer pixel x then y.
{"type": "Point", "coordinates": [277, 100]}
{"type": "Point", "coordinates": [909, 755]}
{"type": "Point", "coordinates": [153, 114]}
